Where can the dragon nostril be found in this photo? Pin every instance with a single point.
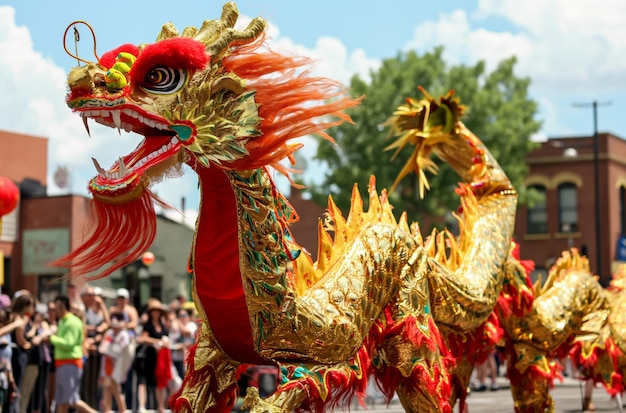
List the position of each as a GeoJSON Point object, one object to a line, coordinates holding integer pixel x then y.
{"type": "Point", "coordinates": [99, 80]}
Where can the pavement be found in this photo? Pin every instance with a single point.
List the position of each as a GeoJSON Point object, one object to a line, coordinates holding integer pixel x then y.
{"type": "Point", "coordinates": [567, 395]}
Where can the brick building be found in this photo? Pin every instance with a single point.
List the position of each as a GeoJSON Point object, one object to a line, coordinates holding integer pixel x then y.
{"type": "Point", "coordinates": [562, 169]}
{"type": "Point", "coordinates": [23, 160]}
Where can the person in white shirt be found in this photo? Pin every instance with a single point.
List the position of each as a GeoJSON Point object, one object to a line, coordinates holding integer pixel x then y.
{"type": "Point", "coordinates": [183, 337]}
{"type": "Point", "coordinates": [114, 369]}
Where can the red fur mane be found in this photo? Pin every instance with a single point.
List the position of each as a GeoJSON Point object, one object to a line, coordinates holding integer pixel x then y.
{"type": "Point", "coordinates": [284, 97]}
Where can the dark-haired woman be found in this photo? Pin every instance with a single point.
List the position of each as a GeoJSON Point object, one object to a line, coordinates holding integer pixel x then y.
{"type": "Point", "coordinates": [23, 307]}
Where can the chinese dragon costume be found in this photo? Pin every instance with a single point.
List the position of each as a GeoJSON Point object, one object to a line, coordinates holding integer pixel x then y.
{"type": "Point", "coordinates": [571, 315]}
{"type": "Point", "coordinates": [380, 302]}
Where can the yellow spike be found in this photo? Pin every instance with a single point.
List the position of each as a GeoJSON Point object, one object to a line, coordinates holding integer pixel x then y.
{"type": "Point", "coordinates": [453, 251]}
{"type": "Point", "coordinates": [167, 32]}
{"type": "Point", "coordinates": [304, 273]}
{"type": "Point", "coordinates": [403, 223]}
{"type": "Point", "coordinates": [356, 207]}
{"type": "Point", "coordinates": [189, 32]}
{"type": "Point", "coordinates": [374, 207]}
{"type": "Point", "coordinates": [441, 248]}
{"type": "Point", "coordinates": [537, 286]}
{"type": "Point", "coordinates": [387, 213]}
{"type": "Point", "coordinates": [461, 222]}
{"type": "Point", "coordinates": [416, 232]}
{"type": "Point", "coordinates": [324, 248]}
{"type": "Point", "coordinates": [430, 244]}
{"type": "Point", "coordinates": [339, 221]}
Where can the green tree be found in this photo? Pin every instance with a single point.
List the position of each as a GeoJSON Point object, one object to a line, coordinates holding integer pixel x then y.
{"type": "Point", "coordinates": [499, 111]}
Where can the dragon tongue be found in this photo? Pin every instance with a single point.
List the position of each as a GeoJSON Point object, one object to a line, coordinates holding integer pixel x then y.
{"type": "Point", "coordinates": [150, 145]}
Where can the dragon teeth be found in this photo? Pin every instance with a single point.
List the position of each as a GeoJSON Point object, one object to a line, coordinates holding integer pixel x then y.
{"type": "Point", "coordinates": [123, 169]}
{"type": "Point", "coordinates": [85, 119]}
{"type": "Point", "coordinates": [115, 120]}
{"type": "Point", "coordinates": [116, 115]}
{"type": "Point", "coordinates": [101, 170]}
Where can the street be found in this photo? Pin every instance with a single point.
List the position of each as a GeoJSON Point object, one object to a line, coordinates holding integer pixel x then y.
{"type": "Point", "coordinates": [567, 398]}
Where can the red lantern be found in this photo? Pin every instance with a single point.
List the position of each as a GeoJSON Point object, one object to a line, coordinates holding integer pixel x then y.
{"type": "Point", "coordinates": [9, 196]}
{"type": "Point", "coordinates": [147, 258]}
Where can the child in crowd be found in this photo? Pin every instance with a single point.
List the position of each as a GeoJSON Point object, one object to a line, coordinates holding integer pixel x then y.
{"type": "Point", "coordinates": [113, 371]}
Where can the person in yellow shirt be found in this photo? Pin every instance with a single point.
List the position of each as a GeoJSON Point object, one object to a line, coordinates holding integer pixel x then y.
{"type": "Point", "coordinates": [68, 358]}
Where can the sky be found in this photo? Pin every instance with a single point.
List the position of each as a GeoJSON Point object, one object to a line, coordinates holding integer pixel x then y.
{"type": "Point", "coordinates": [574, 52]}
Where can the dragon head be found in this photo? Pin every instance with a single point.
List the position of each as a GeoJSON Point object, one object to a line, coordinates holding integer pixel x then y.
{"type": "Point", "coordinates": [209, 97]}
{"type": "Point", "coordinates": [179, 94]}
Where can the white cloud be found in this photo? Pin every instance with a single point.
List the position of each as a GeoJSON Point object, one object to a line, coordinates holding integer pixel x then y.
{"type": "Point", "coordinates": [573, 50]}
{"type": "Point", "coordinates": [581, 43]}
{"type": "Point", "coordinates": [566, 47]}
{"type": "Point", "coordinates": [330, 56]}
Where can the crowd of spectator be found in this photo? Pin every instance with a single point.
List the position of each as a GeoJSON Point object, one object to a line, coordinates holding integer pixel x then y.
{"type": "Point", "coordinates": [78, 352]}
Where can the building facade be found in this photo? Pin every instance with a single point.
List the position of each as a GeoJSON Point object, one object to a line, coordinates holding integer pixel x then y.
{"type": "Point", "coordinates": [562, 172]}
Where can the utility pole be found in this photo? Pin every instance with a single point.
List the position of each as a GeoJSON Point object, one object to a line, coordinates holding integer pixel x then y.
{"type": "Point", "coordinates": [596, 177]}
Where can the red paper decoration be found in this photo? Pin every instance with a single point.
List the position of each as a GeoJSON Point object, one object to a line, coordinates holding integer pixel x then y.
{"type": "Point", "coordinates": [9, 195]}
{"type": "Point", "coordinates": [147, 258]}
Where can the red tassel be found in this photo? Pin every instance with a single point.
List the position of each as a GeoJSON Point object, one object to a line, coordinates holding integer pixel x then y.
{"type": "Point", "coordinates": [120, 234]}
{"type": "Point", "coordinates": [427, 376]}
{"type": "Point", "coordinates": [343, 386]}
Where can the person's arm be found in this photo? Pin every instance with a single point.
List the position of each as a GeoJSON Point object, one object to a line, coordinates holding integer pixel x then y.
{"type": "Point", "coordinates": [45, 333]}
{"type": "Point", "coordinates": [102, 328]}
{"type": "Point", "coordinates": [187, 330]}
{"type": "Point", "coordinates": [33, 331]}
{"type": "Point", "coordinates": [66, 341]}
{"type": "Point", "coordinates": [104, 344]}
{"type": "Point", "coordinates": [12, 386]}
{"type": "Point", "coordinates": [133, 318]}
{"type": "Point", "coordinates": [146, 339]}
{"type": "Point", "coordinates": [105, 312]}
{"type": "Point", "coordinates": [9, 328]}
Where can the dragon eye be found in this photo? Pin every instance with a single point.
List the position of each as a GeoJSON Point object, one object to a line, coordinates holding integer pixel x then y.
{"type": "Point", "coordinates": [163, 80]}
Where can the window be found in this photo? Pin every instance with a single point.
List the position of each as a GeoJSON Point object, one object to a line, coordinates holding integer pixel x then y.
{"type": "Point", "coordinates": [568, 207]}
{"type": "Point", "coordinates": [538, 215]}
{"type": "Point", "coordinates": [9, 226]}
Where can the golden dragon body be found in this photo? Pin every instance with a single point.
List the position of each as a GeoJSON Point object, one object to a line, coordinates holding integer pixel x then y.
{"type": "Point", "coordinates": [380, 301]}
{"type": "Point", "coordinates": [571, 315]}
